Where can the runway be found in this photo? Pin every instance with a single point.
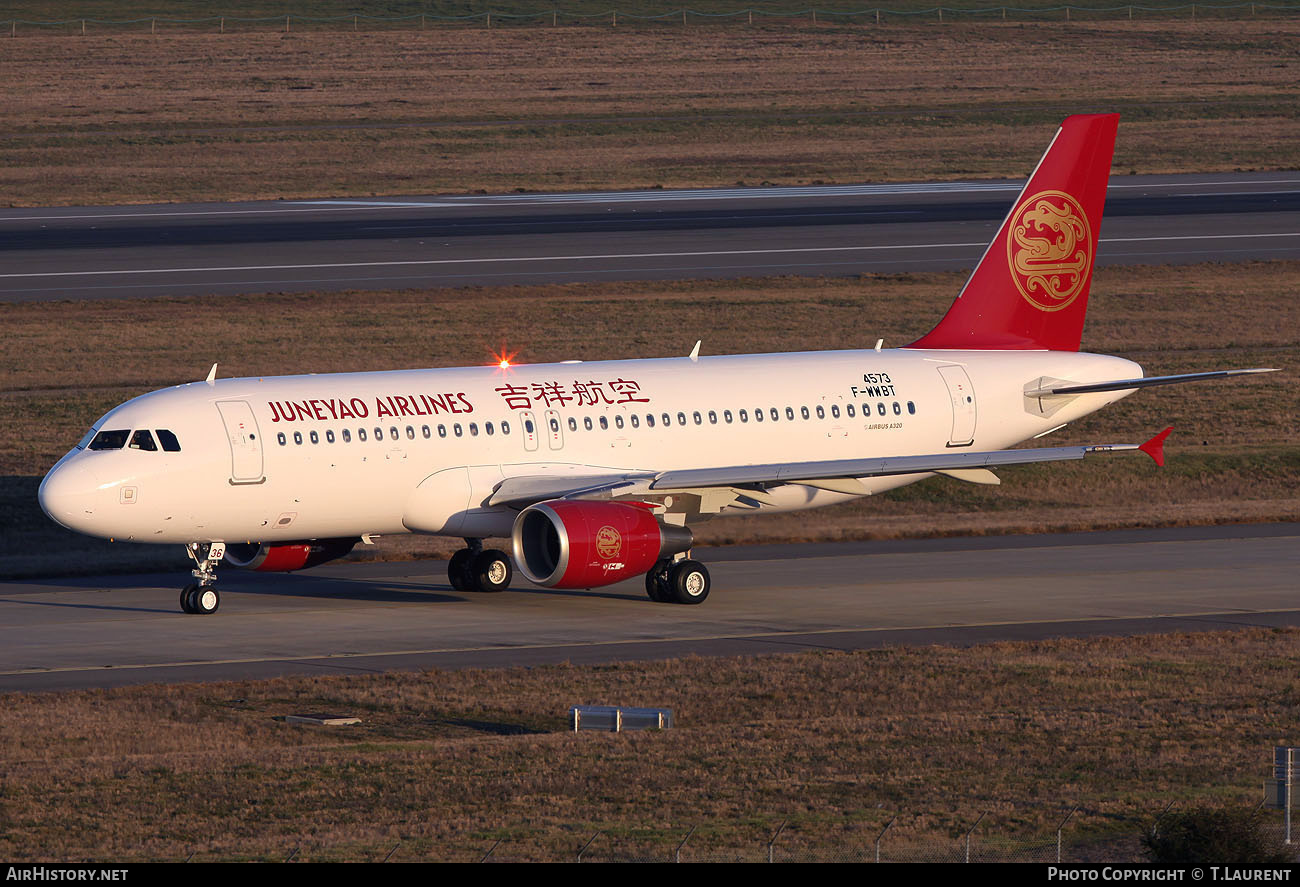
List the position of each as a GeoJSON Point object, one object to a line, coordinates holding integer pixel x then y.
{"type": "Point", "coordinates": [842, 230]}
{"type": "Point", "coordinates": [362, 618]}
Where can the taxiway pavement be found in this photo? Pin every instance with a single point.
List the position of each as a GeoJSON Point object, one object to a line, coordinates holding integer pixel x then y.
{"type": "Point", "coordinates": [358, 618]}
{"type": "Point", "coordinates": [457, 240]}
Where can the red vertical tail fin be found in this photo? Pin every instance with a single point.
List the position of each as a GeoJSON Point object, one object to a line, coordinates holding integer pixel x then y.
{"type": "Point", "coordinates": [1030, 289]}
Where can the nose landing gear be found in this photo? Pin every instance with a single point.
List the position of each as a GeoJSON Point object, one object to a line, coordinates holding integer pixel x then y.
{"type": "Point", "coordinates": [201, 598]}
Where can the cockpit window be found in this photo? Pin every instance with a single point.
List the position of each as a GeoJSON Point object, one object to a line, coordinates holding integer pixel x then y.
{"type": "Point", "coordinates": [143, 440]}
{"type": "Point", "coordinates": [168, 440]}
{"type": "Point", "coordinates": [109, 440]}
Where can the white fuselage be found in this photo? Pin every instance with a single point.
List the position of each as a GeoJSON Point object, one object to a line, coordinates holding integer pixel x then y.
{"type": "Point", "coordinates": [321, 456]}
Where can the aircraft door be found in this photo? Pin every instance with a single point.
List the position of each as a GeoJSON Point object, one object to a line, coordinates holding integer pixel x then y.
{"type": "Point", "coordinates": [962, 394]}
{"type": "Point", "coordinates": [554, 429]}
{"type": "Point", "coordinates": [245, 441]}
{"type": "Point", "coordinates": [528, 423]}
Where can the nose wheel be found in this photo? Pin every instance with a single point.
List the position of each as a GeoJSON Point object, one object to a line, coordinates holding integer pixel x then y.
{"type": "Point", "coordinates": [201, 598]}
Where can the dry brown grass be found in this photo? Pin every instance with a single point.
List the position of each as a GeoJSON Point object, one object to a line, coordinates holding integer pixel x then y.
{"type": "Point", "coordinates": [1235, 456]}
{"type": "Point", "coordinates": [447, 762]}
{"type": "Point", "coordinates": [121, 117]}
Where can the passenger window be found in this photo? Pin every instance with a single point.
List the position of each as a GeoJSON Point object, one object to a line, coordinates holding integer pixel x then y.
{"type": "Point", "coordinates": [911, 408]}
{"type": "Point", "coordinates": [280, 437]}
{"type": "Point", "coordinates": [618, 422]}
{"type": "Point", "coordinates": [505, 428]}
{"type": "Point", "coordinates": [789, 413]}
{"type": "Point", "coordinates": [821, 412]}
{"type": "Point", "coordinates": [442, 430]}
{"type": "Point", "coordinates": [347, 436]}
{"type": "Point", "coordinates": [315, 438]}
{"type": "Point", "coordinates": [835, 411]}
{"type": "Point", "coordinates": [426, 431]}
{"type": "Point", "coordinates": [667, 420]}
{"type": "Point", "coordinates": [586, 422]}
{"type": "Point", "coordinates": [573, 424]}
{"type": "Point", "coordinates": [758, 415]}
{"type": "Point", "coordinates": [297, 437]}
{"type": "Point", "coordinates": [880, 408]}
{"type": "Point", "coordinates": [143, 440]}
{"type": "Point", "coordinates": [329, 437]}
{"type": "Point", "coordinates": [726, 416]}
{"type": "Point", "coordinates": [528, 426]}
{"type": "Point", "coordinates": [681, 418]}
{"type": "Point", "coordinates": [168, 440]}
{"type": "Point", "coordinates": [636, 421]}
{"type": "Point", "coordinates": [849, 409]}
{"type": "Point", "coordinates": [604, 424]}
{"type": "Point", "coordinates": [898, 410]}
{"type": "Point", "coordinates": [803, 411]}
{"type": "Point", "coordinates": [392, 432]}
{"type": "Point", "coordinates": [457, 430]}
{"type": "Point", "coordinates": [696, 416]}
{"type": "Point", "coordinates": [361, 435]}
{"type": "Point", "coordinates": [649, 420]}
{"type": "Point", "coordinates": [410, 433]}
{"type": "Point", "coordinates": [473, 429]}
{"type": "Point", "coordinates": [744, 415]}
{"type": "Point", "coordinates": [379, 434]}
{"type": "Point", "coordinates": [776, 415]}
{"type": "Point", "coordinates": [555, 426]}
{"type": "Point", "coordinates": [487, 426]}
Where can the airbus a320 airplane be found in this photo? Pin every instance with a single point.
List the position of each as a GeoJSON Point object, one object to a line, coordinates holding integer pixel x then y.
{"type": "Point", "coordinates": [596, 471]}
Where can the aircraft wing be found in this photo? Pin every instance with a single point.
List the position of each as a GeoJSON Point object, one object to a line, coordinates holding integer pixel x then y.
{"type": "Point", "coordinates": [751, 481]}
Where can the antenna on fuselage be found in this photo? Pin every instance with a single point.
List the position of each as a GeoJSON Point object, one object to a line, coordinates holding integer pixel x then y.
{"type": "Point", "coordinates": [212, 375]}
{"type": "Point", "coordinates": [695, 352]}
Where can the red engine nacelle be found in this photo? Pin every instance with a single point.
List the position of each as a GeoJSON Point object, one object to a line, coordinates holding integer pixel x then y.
{"type": "Point", "coordinates": [286, 557]}
{"type": "Point", "coordinates": [574, 544]}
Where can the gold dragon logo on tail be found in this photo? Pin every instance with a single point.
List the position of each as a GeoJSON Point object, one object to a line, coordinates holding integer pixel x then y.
{"type": "Point", "coordinates": [1049, 249]}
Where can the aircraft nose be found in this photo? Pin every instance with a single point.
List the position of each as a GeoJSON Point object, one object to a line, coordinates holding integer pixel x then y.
{"type": "Point", "coordinates": [69, 495]}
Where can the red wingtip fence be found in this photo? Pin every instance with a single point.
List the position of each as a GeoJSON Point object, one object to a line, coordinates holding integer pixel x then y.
{"type": "Point", "coordinates": [681, 17]}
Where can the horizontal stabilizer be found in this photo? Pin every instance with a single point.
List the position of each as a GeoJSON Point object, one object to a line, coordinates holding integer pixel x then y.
{"type": "Point", "coordinates": [1147, 382]}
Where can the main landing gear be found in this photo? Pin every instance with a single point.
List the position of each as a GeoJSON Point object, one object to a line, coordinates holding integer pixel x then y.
{"type": "Point", "coordinates": [201, 598]}
{"type": "Point", "coordinates": [683, 581]}
{"type": "Point", "coordinates": [475, 568]}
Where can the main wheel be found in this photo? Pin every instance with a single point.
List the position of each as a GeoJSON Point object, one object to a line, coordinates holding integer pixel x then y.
{"type": "Point", "coordinates": [491, 571]}
{"type": "Point", "coordinates": [688, 582]}
{"type": "Point", "coordinates": [458, 570]}
{"type": "Point", "coordinates": [656, 582]}
{"type": "Point", "coordinates": [185, 597]}
{"type": "Point", "coordinates": [204, 600]}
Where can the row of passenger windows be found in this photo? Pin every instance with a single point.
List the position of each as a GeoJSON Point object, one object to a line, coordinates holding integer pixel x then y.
{"type": "Point", "coordinates": [139, 440]}
{"type": "Point", "coordinates": [457, 430]}
{"type": "Point", "coordinates": [760, 414]}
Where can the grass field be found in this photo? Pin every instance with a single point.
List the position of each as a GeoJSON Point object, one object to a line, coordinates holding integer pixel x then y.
{"type": "Point", "coordinates": [1235, 454]}
{"type": "Point", "coordinates": [447, 763]}
{"type": "Point", "coordinates": [121, 116]}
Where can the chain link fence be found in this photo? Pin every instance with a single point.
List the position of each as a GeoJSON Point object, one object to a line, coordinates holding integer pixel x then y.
{"type": "Point", "coordinates": [614, 16]}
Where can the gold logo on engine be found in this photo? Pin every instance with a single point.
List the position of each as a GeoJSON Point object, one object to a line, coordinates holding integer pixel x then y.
{"type": "Point", "coordinates": [1049, 249]}
{"type": "Point", "coordinates": [609, 543]}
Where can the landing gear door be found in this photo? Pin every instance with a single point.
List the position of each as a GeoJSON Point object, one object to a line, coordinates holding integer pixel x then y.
{"type": "Point", "coordinates": [962, 394]}
{"type": "Point", "coordinates": [245, 442]}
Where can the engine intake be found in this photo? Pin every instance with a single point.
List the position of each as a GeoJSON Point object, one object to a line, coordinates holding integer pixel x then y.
{"type": "Point", "coordinates": [287, 557]}
{"type": "Point", "coordinates": [573, 544]}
